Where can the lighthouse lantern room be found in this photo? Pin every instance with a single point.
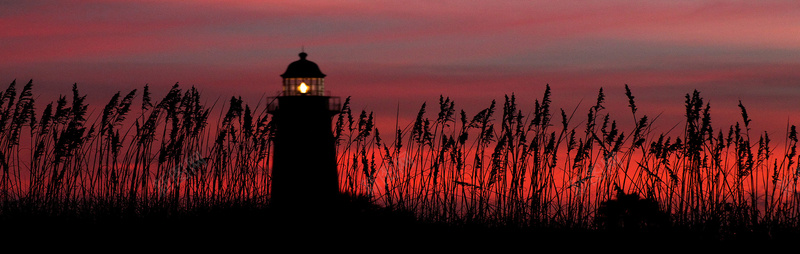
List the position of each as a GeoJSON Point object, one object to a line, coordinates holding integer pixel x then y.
{"type": "Point", "coordinates": [303, 78]}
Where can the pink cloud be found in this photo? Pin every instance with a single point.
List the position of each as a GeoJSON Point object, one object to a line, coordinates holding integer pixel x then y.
{"type": "Point", "coordinates": [412, 51]}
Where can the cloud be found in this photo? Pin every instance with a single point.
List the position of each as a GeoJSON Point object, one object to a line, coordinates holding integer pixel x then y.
{"type": "Point", "coordinates": [384, 52]}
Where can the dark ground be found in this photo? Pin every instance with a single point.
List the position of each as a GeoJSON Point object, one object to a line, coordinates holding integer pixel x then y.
{"type": "Point", "coordinates": [351, 224]}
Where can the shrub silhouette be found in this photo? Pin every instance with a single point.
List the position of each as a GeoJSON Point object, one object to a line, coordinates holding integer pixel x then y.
{"type": "Point", "coordinates": [629, 212]}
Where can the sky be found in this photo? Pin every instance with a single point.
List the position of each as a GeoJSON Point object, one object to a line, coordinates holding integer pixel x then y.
{"type": "Point", "coordinates": [395, 55]}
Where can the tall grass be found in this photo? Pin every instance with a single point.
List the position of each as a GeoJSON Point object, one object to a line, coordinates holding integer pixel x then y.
{"type": "Point", "coordinates": [538, 168]}
{"type": "Point", "coordinates": [498, 166]}
{"type": "Point", "coordinates": [62, 162]}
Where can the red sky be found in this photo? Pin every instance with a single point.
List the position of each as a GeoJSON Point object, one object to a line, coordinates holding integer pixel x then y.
{"type": "Point", "coordinates": [406, 52]}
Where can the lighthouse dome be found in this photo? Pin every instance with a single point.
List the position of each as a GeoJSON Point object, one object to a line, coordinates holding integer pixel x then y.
{"type": "Point", "coordinates": [303, 69]}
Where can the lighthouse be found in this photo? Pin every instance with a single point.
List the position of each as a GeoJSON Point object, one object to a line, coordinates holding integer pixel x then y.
{"type": "Point", "coordinates": [304, 172]}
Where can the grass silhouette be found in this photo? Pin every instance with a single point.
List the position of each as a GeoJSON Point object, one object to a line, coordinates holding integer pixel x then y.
{"type": "Point", "coordinates": [499, 168]}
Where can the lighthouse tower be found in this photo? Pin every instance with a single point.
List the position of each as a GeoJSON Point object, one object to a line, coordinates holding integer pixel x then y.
{"type": "Point", "coordinates": [304, 171]}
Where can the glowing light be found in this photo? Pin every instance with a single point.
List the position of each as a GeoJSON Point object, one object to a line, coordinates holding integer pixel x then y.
{"type": "Point", "coordinates": [303, 88]}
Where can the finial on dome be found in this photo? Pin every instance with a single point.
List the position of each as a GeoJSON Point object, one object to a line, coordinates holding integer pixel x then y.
{"type": "Point", "coordinates": [303, 55]}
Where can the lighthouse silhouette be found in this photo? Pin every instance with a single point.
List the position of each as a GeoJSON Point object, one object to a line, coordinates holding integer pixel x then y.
{"type": "Point", "coordinates": [304, 172]}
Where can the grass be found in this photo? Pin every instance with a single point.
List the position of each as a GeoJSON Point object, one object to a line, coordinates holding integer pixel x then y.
{"type": "Point", "coordinates": [499, 168]}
